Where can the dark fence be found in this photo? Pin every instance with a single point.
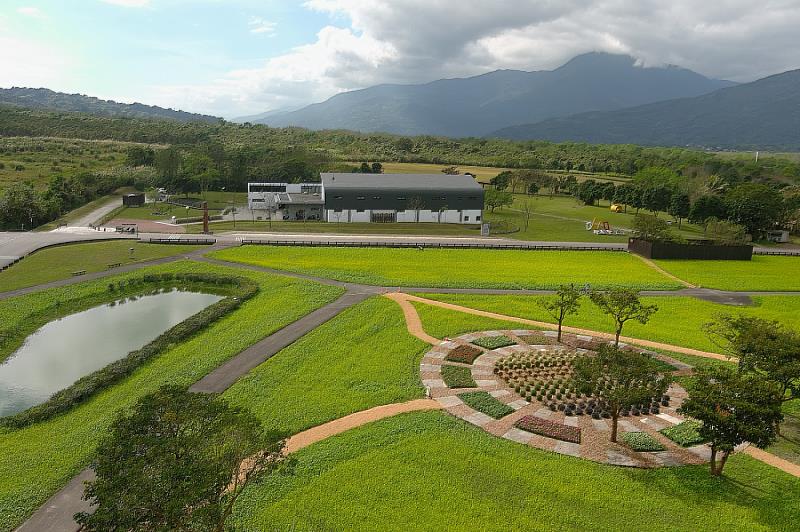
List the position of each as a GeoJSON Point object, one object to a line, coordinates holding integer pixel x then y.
{"type": "Point", "coordinates": [672, 250]}
{"type": "Point", "coordinates": [418, 245]}
{"type": "Point", "coordinates": [778, 252]}
{"type": "Point", "coordinates": [197, 241]}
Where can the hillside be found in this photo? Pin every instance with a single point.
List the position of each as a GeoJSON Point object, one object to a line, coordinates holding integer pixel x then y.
{"type": "Point", "coordinates": [764, 114]}
{"type": "Point", "coordinates": [478, 105]}
{"type": "Point", "coordinates": [46, 99]}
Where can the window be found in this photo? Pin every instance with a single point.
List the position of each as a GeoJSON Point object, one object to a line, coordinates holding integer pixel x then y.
{"type": "Point", "coordinates": [466, 218]}
{"type": "Point", "coordinates": [361, 197]}
{"type": "Point", "coordinates": [359, 210]}
{"type": "Point", "coordinates": [337, 211]}
{"type": "Point", "coordinates": [401, 198]}
{"type": "Point", "coordinates": [478, 218]}
{"type": "Point", "coordinates": [376, 197]}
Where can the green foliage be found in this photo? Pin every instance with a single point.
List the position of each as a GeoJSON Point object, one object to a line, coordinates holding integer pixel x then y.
{"type": "Point", "coordinates": [494, 342]}
{"type": "Point", "coordinates": [565, 303]}
{"type": "Point", "coordinates": [641, 442]}
{"type": "Point", "coordinates": [239, 290]}
{"type": "Point", "coordinates": [734, 408]}
{"type": "Point", "coordinates": [495, 198]}
{"type": "Point", "coordinates": [176, 463]}
{"type": "Point", "coordinates": [686, 433]}
{"type": "Point", "coordinates": [457, 376]}
{"type": "Point", "coordinates": [725, 232]}
{"type": "Point", "coordinates": [756, 206]}
{"type": "Point", "coordinates": [623, 305]}
{"type": "Point", "coordinates": [485, 403]}
{"type": "Point", "coordinates": [706, 207]}
{"type": "Point", "coordinates": [651, 228]}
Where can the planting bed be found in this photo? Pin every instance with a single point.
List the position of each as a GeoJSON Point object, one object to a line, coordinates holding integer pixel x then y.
{"type": "Point", "coordinates": [684, 434]}
{"type": "Point", "coordinates": [458, 377]}
{"type": "Point", "coordinates": [465, 354]}
{"type": "Point", "coordinates": [524, 394]}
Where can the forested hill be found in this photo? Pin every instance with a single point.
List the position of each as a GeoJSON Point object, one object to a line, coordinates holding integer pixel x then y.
{"type": "Point", "coordinates": [58, 101]}
{"type": "Point", "coordinates": [764, 114]}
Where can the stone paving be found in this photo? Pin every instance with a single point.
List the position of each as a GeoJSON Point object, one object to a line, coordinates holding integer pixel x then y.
{"type": "Point", "coordinates": [594, 444]}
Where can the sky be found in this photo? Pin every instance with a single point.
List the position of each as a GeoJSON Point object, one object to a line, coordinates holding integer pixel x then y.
{"type": "Point", "coordinates": [239, 57]}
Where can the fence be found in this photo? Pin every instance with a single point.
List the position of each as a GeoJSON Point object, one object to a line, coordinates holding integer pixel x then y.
{"type": "Point", "coordinates": [437, 245]}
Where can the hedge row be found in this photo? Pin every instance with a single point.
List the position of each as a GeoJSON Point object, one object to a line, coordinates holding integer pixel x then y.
{"type": "Point", "coordinates": [192, 219]}
{"type": "Point", "coordinates": [239, 290]}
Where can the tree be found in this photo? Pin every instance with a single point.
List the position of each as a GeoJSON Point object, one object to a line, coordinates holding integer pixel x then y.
{"type": "Point", "coordinates": [178, 461]}
{"type": "Point", "coordinates": [706, 207]}
{"type": "Point", "coordinates": [656, 198]}
{"type": "Point", "coordinates": [649, 227]}
{"type": "Point", "coordinates": [623, 305]}
{"type": "Point", "coordinates": [621, 379]}
{"type": "Point", "coordinates": [168, 163]}
{"type": "Point", "coordinates": [515, 181]}
{"type": "Point", "coordinates": [365, 168]}
{"type": "Point", "coordinates": [756, 206]}
{"type": "Point", "coordinates": [607, 191]}
{"type": "Point", "coordinates": [20, 206]}
{"type": "Point", "coordinates": [589, 192]}
{"type": "Point", "coordinates": [527, 212]}
{"type": "Point", "coordinates": [566, 302]}
{"type": "Point", "coordinates": [734, 408]}
{"type": "Point", "coordinates": [533, 188]}
{"type": "Point", "coordinates": [377, 168]}
{"type": "Point", "coordinates": [500, 181]}
{"type": "Point", "coordinates": [764, 347]}
{"type": "Point", "coordinates": [679, 206]}
{"type": "Point", "coordinates": [450, 170]}
{"type": "Point", "coordinates": [725, 232]}
{"type": "Point", "coordinates": [496, 198]}
{"type": "Point", "coordinates": [140, 156]}
{"type": "Point", "coordinates": [416, 204]}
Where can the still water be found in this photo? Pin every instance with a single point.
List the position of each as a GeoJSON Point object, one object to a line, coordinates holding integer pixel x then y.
{"type": "Point", "coordinates": [65, 350]}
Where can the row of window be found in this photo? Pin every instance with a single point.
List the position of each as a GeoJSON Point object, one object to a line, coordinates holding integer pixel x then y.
{"type": "Point", "coordinates": [403, 198]}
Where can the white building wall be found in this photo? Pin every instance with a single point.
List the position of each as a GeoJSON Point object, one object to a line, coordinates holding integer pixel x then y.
{"type": "Point", "coordinates": [407, 216]}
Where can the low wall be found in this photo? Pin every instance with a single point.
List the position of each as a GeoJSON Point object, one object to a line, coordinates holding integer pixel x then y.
{"type": "Point", "coordinates": [672, 250]}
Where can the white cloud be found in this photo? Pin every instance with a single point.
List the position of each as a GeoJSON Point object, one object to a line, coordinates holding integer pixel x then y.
{"type": "Point", "coordinates": [407, 41]}
{"type": "Point", "coordinates": [128, 3]}
{"type": "Point", "coordinates": [32, 12]}
{"type": "Point", "coordinates": [260, 26]}
{"type": "Point", "coordinates": [30, 64]}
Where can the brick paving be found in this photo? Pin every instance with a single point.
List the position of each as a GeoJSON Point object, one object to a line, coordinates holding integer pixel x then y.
{"type": "Point", "coordinates": [594, 445]}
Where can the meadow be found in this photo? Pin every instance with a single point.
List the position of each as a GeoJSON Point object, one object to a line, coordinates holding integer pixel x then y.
{"type": "Point", "coordinates": [763, 273]}
{"type": "Point", "coordinates": [430, 471]}
{"type": "Point", "coordinates": [52, 264]}
{"type": "Point", "coordinates": [38, 460]}
{"type": "Point", "coordinates": [454, 268]}
{"type": "Point", "coordinates": [484, 174]}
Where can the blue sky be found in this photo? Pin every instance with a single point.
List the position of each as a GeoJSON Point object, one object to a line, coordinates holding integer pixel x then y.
{"type": "Point", "coordinates": [238, 57]}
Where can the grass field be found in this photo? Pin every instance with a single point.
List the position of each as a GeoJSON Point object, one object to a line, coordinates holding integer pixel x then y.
{"type": "Point", "coordinates": [362, 358]}
{"type": "Point", "coordinates": [456, 267]}
{"type": "Point", "coordinates": [763, 273]}
{"type": "Point", "coordinates": [678, 321]}
{"type": "Point", "coordinates": [430, 471]}
{"type": "Point", "coordinates": [341, 228]}
{"type": "Point", "coordinates": [484, 174]}
{"type": "Point", "coordinates": [52, 264]}
{"type": "Point", "coordinates": [36, 461]}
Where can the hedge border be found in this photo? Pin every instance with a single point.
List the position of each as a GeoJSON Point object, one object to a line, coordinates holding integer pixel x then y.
{"type": "Point", "coordinates": [238, 289]}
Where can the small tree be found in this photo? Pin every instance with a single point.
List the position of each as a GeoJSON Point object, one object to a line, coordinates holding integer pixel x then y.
{"type": "Point", "coordinates": [450, 170]}
{"type": "Point", "coordinates": [620, 379]}
{"type": "Point", "coordinates": [416, 204]}
{"type": "Point", "coordinates": [178, 461]}
{"type": "Point", "coordinates": [377, 168]}
{"type": "Point", "coordinates": [495, 198]}
{"type": "Point", "coordinates": [623, 305]}
{"type": "Point", "coordinates": [679, 206]}
{"type": "Point", "coordinates": [734, 408]}
{"type": "Point", "coordinates": [527, 212]}
{"type": "Point", "coordinates": [564, 303]}
{"type": "Point", "coordinates": [648, 227]}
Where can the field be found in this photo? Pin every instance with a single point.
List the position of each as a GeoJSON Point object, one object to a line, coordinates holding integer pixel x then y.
{"type": "Point", "coordinates": [343, 228]}
{"type": "Point", "coordinates": [36, 461]}
{"type": "Point", "coordinates": [52, 264]}
{"type": "Point", "coordinates": [38, 159]}
{"type": "Point", "coordinates": [763, 273]}
{"type": "Point", "coordinates": [429, 471]}
{"type": "Point", "coordinates": [456, 267]}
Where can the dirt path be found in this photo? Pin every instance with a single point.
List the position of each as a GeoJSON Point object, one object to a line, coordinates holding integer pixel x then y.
{"type": "Point", "coordinates": [415, 326]}
{"type": "Point", "coordinates": [662, 271]}
{"type": "Point", "coordinates": [774, 461]}
{"type": "Point", "coordinates": [343, 424]}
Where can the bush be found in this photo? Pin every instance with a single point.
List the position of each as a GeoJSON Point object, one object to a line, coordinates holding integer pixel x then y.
{"type": "Point", "coordinates": [494, 342]}
{"type": "Point", "coordinates": [464, 353]}
{"type": "Point", "coordinates": [193, 219]}
{"type": "Point", "coordinates": [642, 442]}
{"type": "Point", "coordinates": [483, 402]}
{"type": "Point", "coordinates": [684, 434]}
{"type": "Point", "coordinates": [458, 377]}
{"type": "Point", "coordinates": [240, 289]}
{"type": "Point", "coordinates": [549, 429]}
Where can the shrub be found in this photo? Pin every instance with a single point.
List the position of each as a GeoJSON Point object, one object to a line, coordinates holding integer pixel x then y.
{"type": "Point", "coordinates": [550, 429]}
{"type": "Point", "coordinates": [458, 377]}
{"type": "Point", "coordinates": [685, 434]}
{"type": "Point", "coordinates": [483, 402]}
{"type": "Point", "coordinates": [494, 342]}
{"type": "Point", "coordinates": [464, 353]}
{"type": "Point", "coordinates": [641, 441]}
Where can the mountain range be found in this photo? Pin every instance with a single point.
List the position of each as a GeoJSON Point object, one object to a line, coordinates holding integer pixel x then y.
{"type": "Point", "coordinates": [480, 105]}
{"type": "Point", "coordinates": [59, 101]}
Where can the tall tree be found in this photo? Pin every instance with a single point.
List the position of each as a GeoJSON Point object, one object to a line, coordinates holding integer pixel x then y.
{"type": "Point", "coordinates": [496, 198]}
{"type": "Point", "coordinates": [566, 302]}
{"type": "Point", "coordinates": [679, 206]}
{"type": "Point", "coordinates": [622, 305]}
{"type": "Point", "coordinates": [756, 206]}
{"type": "Point", "coordinates": [706, 207]}
{"type": "Point", "coordinates": [734, 408]}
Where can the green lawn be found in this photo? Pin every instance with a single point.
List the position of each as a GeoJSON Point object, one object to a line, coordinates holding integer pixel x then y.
{"type": "Point", "coordinates": [37, 460]}
{"type": "Point", "coordinates": [248, 225]}
{"type": "Point", "coordinates": [430, 471]}
{"type": "Point", "coordinates": [360, 359]}
{"type": "Point", "coordinates": [764, 273]}
{"type": "Point", "coordinates": [52, 264]}
{"type": "Point", "coordinates": [678, 321]}
{"type": "Point", "coordinates": [456, 267]}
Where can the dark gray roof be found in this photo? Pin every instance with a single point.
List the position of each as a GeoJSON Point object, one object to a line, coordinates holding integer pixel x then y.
{"type": "Point", "coordinates": [398, 182]}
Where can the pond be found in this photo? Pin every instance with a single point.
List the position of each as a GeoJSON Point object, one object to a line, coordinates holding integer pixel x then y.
{"type": "Point", "coordinates": [69, 348]}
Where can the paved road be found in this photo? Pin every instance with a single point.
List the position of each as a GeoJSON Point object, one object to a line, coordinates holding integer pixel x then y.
{"type": "Point", "coordinates": [14, 246]}
{"type": "Point", "coordinates": [96, 215]}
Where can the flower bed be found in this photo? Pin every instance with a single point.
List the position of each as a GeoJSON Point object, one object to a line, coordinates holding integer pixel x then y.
{"type": "Point", "coordinates": [458, 377]}
{"type": "Point", "coordinates": [642, 442]}
{"type": "Point", "coordinates": [494, 342]}
{"type": "Point", "coordinates": [538, 339]}
{"type": "Point", "coordinates": [464, 353]}
{"type": "Point", "coordinates": [550, 429]}
{"type": "Point", "coordinates": [483, 402]}
{"type": "Point", "coordinates": [685, 434]}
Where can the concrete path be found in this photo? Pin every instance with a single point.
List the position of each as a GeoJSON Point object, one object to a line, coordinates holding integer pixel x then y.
{"type": "Point", "coordinates": [91, 218]}
{"type": "Point", "coordinates": [14, 246]}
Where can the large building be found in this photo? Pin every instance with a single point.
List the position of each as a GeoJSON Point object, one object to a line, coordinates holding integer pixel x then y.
{"type": "Point", "coordinates": [346, 197]}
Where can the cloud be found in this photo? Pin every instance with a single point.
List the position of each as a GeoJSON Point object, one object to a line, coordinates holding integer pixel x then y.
{"type": "Point", "coordinates": [32, 12]}
{"type": "Point", "coordinates": [28, 63]}
{"type": "Point", "coordinates": [260, 26]}
{"type": "Point", "coordinates": [128, 3]}
{"type": "Point", "coordinates": [407, 41]}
